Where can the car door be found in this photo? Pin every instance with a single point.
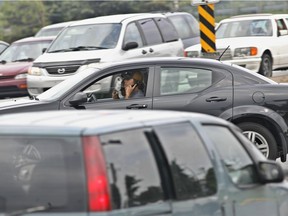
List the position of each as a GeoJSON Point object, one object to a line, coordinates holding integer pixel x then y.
{"type": "Point", "coordinates": [282, 42]}
{"type": "Point", "coordinates": [97, 92]}
{"type": "Point", "coordinates": [196, 89]}
{"type": "Point", "coordinates": [246, 195]}
{"type": "Point", "coordinates": [196, 188]}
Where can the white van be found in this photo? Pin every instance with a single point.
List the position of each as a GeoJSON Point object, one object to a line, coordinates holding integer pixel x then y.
{"type": "Point", "coordinates": [103, 39]}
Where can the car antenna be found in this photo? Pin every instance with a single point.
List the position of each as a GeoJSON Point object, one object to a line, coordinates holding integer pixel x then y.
{"type": "Point", "coordinates": [222, 53]}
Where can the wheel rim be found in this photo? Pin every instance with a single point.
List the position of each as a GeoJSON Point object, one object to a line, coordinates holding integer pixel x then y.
{"type": "Point", "coordinates": [266, 67]}
{"type": "Point", "coordinates": [259, 141]}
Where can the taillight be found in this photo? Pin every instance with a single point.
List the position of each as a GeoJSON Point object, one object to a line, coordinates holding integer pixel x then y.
{"type": "Point", "coordinates": [97, 181]}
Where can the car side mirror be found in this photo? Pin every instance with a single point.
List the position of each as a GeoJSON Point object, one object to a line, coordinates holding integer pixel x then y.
{"type": "Point", "coordinates": [78, 99]}
{"type": "Point", "coordinates": [130, 45]}
{"type": "Point", "coordinates": [270, 171]}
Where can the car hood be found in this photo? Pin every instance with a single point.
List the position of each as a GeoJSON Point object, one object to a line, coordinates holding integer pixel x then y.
{"type": "Point", "coordinates": [14, 68]}
{"type": "Point", "coordinates": [102, 55]}
{"type": "Point", "coordinates": [13, 103]}
{"type": "Point", "coordinates": [235, 43]}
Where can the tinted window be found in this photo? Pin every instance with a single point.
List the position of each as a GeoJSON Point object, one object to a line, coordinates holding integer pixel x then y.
{"type": "Point", "coordinates": [235, 158]}
{"type": "Point", "coordinates": [184, 80]}
{"type": "Point", "coordinates": [190, 164]}
{"type": "Point", "coordinates": [151, 32]}
{"type": "Point", "coordinates": [41, 172]}
{"type": "Point", "coordinates": [167, 30]}
{"type": "Point", "coordinates": [186, 26]}
{"type": "Point", "coordinates": [132, 34]}
{"type": "Point", "coordinates": [133, 174]}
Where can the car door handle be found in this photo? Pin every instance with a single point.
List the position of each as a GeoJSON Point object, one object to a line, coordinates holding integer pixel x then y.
{"type": "Point", "coordinates": [144, 51]}
{"type": "Point", "coordinates": [151, 50]}
{"type": "Point", "coordinates": [211, 99]}
{"type": "Point", "coordinates": [137, 106]}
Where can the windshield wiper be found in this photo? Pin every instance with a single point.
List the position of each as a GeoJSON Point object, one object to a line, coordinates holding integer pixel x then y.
{"type": "Point", "coordinates": [42, 208]}
{"type": "Point", "coordinates": [79, 48]}
{"type": "Point", "coordinates": [24, 60]}
{"type": "Point", "coordinates": [3, 62]}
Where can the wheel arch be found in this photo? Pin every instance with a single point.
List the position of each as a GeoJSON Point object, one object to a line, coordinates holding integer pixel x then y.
{"type": "Point", "coordinates": [266, 117]}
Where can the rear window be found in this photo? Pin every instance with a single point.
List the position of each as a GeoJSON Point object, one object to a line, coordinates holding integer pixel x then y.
{"type": "Point", "coordinates": [41, 171]}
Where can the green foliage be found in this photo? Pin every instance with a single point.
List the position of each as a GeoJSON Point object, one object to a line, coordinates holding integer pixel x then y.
{"type": "Point", "coordinates": [21, 19]}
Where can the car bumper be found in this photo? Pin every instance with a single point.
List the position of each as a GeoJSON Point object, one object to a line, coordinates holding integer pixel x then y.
{"type": "Point", "coordinates": [251, 64]}
{"type": "Point", "coordinates": [13, 87]}
{"type": "Point", "coordinates": [38, 84]}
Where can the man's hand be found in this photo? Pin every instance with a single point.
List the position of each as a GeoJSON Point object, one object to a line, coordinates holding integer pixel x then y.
{"type": "Point", "coordinates": [128, 90]}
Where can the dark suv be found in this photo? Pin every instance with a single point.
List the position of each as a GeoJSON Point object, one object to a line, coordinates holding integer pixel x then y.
{"type": "Point", "coordinates": [134, 163]}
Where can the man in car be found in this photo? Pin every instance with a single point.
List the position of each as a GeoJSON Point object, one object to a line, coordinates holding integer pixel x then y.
{"type": "Point", "coordinates": [132, 86]}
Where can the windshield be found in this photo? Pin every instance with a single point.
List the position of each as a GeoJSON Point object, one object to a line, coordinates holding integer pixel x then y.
{"type": "Point", "coordinates": [87, 37]}
{"type": "Point", "coordinates": [244, 28]}
{"type": "Point", "coordinates": [62, 88]}
{"type": "Point", "coordinates": [28, 51]}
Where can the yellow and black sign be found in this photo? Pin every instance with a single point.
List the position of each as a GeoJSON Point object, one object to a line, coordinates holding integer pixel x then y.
{"type": "Point", "coordinates": [207, 28]}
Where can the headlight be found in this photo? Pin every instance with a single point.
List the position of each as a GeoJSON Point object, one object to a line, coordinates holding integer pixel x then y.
{"type": "Point", "coordinates": [245, 51]}
{"type": "Point", "coordinates": [21, 76]}
{"type": "Point", "coordinates": [192, 54]}
{"type": "Point", "coordinates": [36, 71]}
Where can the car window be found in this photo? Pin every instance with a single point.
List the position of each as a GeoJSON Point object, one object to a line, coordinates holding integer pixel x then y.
{"type": "Point", "coordinates": [132, 169]}
{"type": "Point", "coordinates": [244, 28]}
{"type": "Point", "coordinates": [167, 29]}
{"type": "Point", "coordinates": [235, 158]}
{"type": "Point", "coordinates": [87, 37]}
{"type": "Point", "coordinates": [191, 167]}
{"type": "Point", "coordinates": [41, 171]}
{"type": "Point", "coordinates": [184, 80]}
{"type": "Point", "coordinates": [114, 86]}
{"type": "Point", "coordinates": [150, 31]}
{"type": "Point", "coordinates": [132, 34]}
{"type": "Point", "coordinates": [186, 26]}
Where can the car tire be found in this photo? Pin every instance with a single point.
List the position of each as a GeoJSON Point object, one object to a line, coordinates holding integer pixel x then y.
{"type": "Point", "coordinates": [261, 137]}
{"type": "Point", "coordinates": [266, 65]}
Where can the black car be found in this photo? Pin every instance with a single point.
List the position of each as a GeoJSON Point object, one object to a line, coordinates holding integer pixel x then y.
{"type": "Point", "coordinates": [253, 102]}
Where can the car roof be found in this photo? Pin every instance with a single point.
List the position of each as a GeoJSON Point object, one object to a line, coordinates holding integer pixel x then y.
{"type": "Point", "coordinates": [157, 60]}
{"type": "Point", "coordinates": [87, 122]}
{"type": "Point", "coordinates": [57, 25]}
{"type": "Point", "coordinates": [34, 39]}
{"type": "Point", "coordinates": [118, 18]}
{"type": "Point", "coordinates": [253, 16]}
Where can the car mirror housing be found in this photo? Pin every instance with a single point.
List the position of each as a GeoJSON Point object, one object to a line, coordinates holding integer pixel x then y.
{"type": "Point", "coordinates": [270, 172]}
{"type": "Point", "coordinates": [130, 45]}
{"type": "Point", "coordinates": [78, 99]}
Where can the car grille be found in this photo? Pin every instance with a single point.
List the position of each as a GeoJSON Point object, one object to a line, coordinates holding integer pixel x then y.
{"type": "Point", "coordinates": [6, 77]}
{"type": "Point", "coordinates": [60, 70]}
{"type": "Point", "coordinates": [226, 56]}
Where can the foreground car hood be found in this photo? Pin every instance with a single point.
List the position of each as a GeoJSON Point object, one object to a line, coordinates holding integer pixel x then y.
{"type": "Point", "coordinates": [14, 68]}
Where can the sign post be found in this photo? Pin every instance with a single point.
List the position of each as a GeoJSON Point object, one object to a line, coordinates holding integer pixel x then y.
{"type": "Point", "coordinates": [207, 26]}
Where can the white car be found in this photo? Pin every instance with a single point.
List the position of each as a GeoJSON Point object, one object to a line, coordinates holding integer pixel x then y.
{"type": "Point", "coordinates": [258, 42]}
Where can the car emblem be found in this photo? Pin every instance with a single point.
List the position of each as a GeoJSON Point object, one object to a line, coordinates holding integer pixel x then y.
{"type": "Point", "coordinates": [61, 70]}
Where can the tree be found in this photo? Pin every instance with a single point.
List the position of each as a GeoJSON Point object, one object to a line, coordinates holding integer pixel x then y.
{"type": "Point", "coordinates": [21, 19]}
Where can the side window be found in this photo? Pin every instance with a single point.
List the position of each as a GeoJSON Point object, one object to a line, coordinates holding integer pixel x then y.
{"type": "Point", "coordinates": [132, 34]}
{"type": "Point", "coordinates": [132, 169]}
{"type": "Point", "coordinates": [184, 80]}
{"type": "Point", "coordinates": [235, 158]}
{"type": "Point", "coordinates": [167, 29]}
{"type": "Point", "coordinates": [121, 85]}
{"type": "Point", "coordinates": [191, 168]}
{"type": "Point", "coordinates": [151, 31]}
